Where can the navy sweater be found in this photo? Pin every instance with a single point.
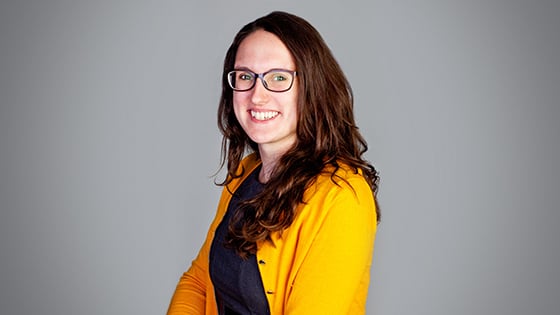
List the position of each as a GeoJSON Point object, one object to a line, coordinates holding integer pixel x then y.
{"type": "Point", "coordinates": [237, 281]}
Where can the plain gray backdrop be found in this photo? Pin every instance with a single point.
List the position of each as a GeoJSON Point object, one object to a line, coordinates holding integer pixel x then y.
{"type": "Point", "coordinates": [108, 143]}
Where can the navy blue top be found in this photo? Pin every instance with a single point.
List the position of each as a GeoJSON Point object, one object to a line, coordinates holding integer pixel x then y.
{"type": "Point", "coordinates": [237, 281]}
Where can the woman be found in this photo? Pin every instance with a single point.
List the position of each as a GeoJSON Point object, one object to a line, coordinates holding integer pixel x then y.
{"type": "Point", "coordinates": [296, 222]}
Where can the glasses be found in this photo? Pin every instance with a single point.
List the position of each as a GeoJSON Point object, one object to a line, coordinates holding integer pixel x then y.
{"type": "Point", "coordinates": [275, 80]}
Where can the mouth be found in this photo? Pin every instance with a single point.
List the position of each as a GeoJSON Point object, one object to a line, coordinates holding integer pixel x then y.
{"type": "Point", "coordinates": [263, 116]}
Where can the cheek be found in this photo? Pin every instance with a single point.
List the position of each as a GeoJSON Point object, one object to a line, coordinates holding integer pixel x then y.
{"type": "Point", "coordinates": [239, 98]}
{"type": "Point", "coordinates": [291, 104]}
{"type": "Point", "coordinates": [294, 99]}
{"type": "Point", "coordinates": [237, 104]}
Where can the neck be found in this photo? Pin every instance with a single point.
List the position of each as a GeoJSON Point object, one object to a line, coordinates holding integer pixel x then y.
{"type": "Point", "coordinates": [269, 161]}
{"type": "Point", "coordinates": [270, 154]}
{"type": "Point", "coordinates": [268, 165]}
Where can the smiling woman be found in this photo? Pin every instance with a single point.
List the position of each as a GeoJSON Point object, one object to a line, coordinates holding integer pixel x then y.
{"type": "Point", "coordinates": [296, 222]}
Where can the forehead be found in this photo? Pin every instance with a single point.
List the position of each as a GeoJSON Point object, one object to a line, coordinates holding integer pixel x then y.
{"type": "Point", "coordinates": [262, 51]}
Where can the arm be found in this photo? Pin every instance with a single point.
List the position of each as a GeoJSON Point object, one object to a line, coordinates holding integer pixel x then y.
{"type": "Point", "coordinates": [190, 294]}
{"type": "Point", "coordinates": [334, 277]}
{"type": "Point", "coordinates": [194, 294]}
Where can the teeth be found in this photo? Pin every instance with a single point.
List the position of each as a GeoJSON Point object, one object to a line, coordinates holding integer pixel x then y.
{"type": "Point", "coordinates": [263, 115]}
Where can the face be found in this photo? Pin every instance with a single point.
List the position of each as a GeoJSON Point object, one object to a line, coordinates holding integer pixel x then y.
{"type": "Point", "coordinates": [269, 118]}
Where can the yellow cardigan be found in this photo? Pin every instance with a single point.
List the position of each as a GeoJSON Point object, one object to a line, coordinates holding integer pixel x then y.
{"type": "Point", "coordinates": [319, 265]}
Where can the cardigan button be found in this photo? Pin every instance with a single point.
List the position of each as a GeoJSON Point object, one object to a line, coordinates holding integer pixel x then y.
{"type": "Point", "coordinates": [262, 262]}
{"type": "Point", "coordinates": [269, 292]}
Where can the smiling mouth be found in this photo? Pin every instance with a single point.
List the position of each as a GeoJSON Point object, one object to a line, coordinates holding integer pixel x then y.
{"type": "Point", "coordinates": [262, 116]}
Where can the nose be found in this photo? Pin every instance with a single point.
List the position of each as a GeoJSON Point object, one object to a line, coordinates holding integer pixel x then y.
{"type": "Point", "coordinates": [260, 93]}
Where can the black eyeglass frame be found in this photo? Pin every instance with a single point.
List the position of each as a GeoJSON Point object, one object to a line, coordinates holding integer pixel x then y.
{"type": "Point", "coordinates": [261, 76]}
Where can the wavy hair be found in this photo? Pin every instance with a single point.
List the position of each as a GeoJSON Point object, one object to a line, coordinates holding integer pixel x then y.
{"type": "Point", "coordinates": [326, 133]}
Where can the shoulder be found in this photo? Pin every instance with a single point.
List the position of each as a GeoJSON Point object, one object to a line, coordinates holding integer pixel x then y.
{"type": "Point", "coordinates": [343, 187]}
{"type": "Point", "coordinates": [342, 178]}
{"type": "Point", "coordinates": [338, 201]}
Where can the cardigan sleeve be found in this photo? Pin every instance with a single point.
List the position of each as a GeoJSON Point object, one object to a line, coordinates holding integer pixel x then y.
{"type": "Point", "coordinates": [190, 294]}
{"type": "Point", "coordinates": [334, 275]}
{"type": "Point", "coordinates": [194, 294]}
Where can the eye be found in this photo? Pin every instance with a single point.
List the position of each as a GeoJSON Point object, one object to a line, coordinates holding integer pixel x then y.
{"type": "Point", "coordinates": [244, 76]}
{"type": "Point", "coordinates": [279, 77]}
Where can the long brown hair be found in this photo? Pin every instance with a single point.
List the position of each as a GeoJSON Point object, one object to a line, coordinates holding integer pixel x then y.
{"type": "Point", "coordinates": [326, 132]}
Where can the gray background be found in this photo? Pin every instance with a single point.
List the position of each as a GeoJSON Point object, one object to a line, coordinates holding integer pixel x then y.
{"type": "Point", "coordinates": [108, 143]}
